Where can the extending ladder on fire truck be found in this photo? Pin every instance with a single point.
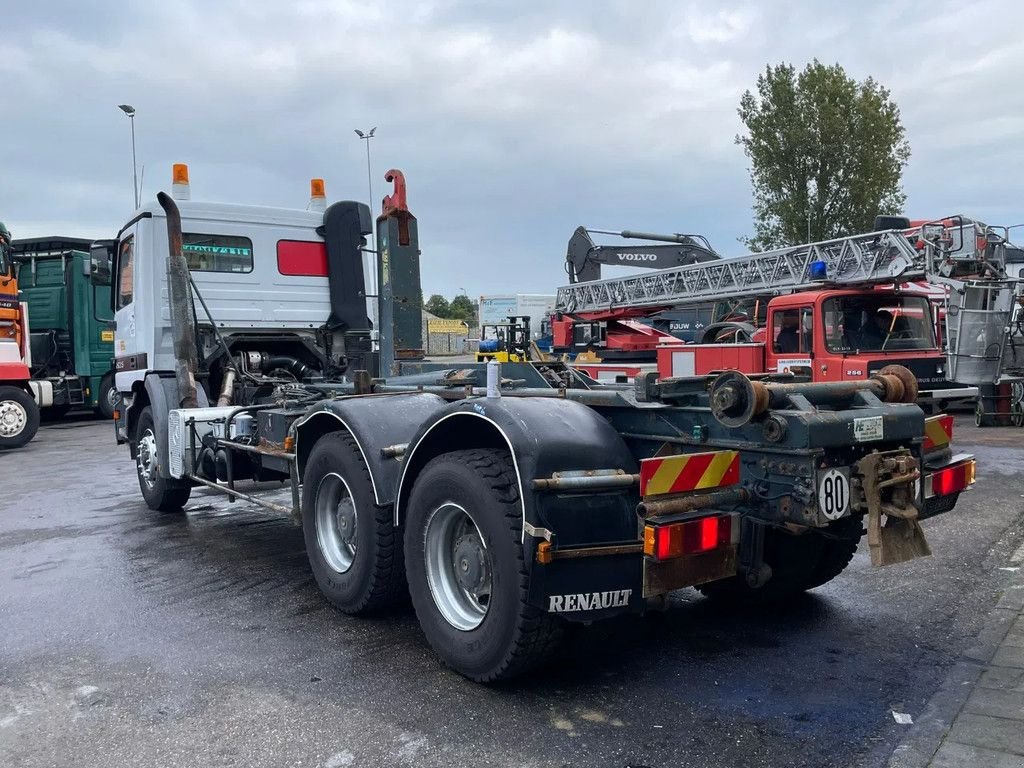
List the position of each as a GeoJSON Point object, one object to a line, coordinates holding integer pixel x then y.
{"type": "Point", "coordinates": [979, 297]}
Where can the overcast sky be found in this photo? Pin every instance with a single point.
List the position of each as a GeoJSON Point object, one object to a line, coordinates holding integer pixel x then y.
{"type": "Point", "coordinates": [513, 122]}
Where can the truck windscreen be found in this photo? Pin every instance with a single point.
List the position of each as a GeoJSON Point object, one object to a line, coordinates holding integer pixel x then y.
{"type": "Point", "coordinates": [878, 323]}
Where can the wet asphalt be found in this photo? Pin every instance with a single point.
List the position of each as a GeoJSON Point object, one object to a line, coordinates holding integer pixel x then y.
{"type": "Point", "coordinates": [133, 638]}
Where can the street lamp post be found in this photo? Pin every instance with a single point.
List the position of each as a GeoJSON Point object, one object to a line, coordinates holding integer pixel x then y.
{"type": "Point", "coordinates": [369, 174]}
{"type": "Point", "coordinates": [129, 110]}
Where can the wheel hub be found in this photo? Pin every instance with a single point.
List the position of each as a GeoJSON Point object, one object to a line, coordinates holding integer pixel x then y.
{"type": "Point", "coordinates": [337, 521]}
{"type": "Point", "coordinates": [147, 457]}
{"type": "Point", "coordinates": [458, 566]}
{"type": "Point", "coordinates": [470, 564]}
{"type": "Point", "coordinates": [12, 418]}
{"type": "Point", "coordinates": [345, 520]}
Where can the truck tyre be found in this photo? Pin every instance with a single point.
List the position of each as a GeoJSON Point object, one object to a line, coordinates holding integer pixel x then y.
{"type": "Point", "coordinates": [467, 575]}
{"type": "Point", "coordinates": [837, 551]}
{"type": "Point", "coordinates": [353, 546]}
{"type": "Point", "coordinates": [19, 417]}
{"type": "Point", "coordinates": [798, 563]}
{"type": "Point", "coordinates": [107, 397]}
{"type": "Point", "coordinates": [162, 494]}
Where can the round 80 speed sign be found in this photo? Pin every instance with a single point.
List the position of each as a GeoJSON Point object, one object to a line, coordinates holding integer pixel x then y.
{"type": "Point", "coordinates": [833, 493]}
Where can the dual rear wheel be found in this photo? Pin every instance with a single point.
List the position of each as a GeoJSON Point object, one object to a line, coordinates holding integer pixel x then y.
{"type": "Point", "coordinates": [460, 557]}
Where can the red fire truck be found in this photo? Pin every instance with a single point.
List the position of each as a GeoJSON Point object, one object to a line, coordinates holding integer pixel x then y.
{"type": "Point", "coordinates": [831, 311]}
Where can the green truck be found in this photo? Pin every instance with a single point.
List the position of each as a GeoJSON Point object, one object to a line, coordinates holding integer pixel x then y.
{"type": "Point", "coordinates": [71, 324]}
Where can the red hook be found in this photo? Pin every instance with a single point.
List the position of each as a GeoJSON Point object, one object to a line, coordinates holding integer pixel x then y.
{"type": "Point", "coordinates": [396, 201]}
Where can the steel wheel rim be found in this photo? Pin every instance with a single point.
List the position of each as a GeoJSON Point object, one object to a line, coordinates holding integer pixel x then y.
{"type": "Point", "coordinates": [112, 397]}
{"type": "Point", "coordinates": [13, 418]}
{"type": "Point", "coordinates": [147, 460]}
{"type": "Point", "coordinates": [336, 522]}
{"type": "Point", "coordinates": [458, 566]}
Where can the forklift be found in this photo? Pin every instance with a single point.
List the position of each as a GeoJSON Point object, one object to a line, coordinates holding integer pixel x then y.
{"type": "Point", "coordinates": [507, 342]}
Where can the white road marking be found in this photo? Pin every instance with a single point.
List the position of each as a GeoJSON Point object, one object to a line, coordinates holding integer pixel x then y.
{"type": "Point", "coordinates": [340, 760]}
{"type": "Point", "coordinates": [1018, 556]}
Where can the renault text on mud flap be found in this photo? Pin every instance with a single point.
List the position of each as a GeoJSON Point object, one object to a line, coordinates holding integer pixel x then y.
{"type": "Point", "coordinates": [589, 601]}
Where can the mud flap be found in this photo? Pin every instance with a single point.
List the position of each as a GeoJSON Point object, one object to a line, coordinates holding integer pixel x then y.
{"type": "Point", "coordinates": [587, 588]}
{"type": "Point", "coordinates": [901, 538]}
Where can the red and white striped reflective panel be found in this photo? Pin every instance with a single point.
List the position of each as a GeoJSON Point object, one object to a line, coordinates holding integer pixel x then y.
{"type": "Point", "coordinates": [689, 472]}
{"type": "Point", "coordinates": [938, 431]}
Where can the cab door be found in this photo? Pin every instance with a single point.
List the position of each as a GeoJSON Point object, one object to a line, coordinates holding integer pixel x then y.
{"type": "Point", "coordinates": [130, 360]}
{"type": "Point", "coordinates": [790, 341]}
{"type": "Point", "coordinates": [12, 346]}
{"type": "Point", "coordinates": [828, 365]}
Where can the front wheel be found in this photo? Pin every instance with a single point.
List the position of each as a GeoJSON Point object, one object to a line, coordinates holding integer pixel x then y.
{"type": "Point", "coordinates": [19, 417]}
{"type": "Point", "coordinates": [163, 494]}
{"type": "Point", "coordinates": [468, 578]}
{"type": "Point", "coordinates": [107, 398]}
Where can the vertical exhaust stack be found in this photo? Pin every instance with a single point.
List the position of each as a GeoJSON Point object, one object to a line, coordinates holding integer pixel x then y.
{"type": "Point", "coordinates": [398, 280]}
{"type": "Point", "coordinates": [317, 195]}
{"type": "Point", "coordinates": [183, 329]}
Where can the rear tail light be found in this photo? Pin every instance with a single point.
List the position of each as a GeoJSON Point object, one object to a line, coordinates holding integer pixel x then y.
{"type": "Point", "coordinates": [951, 479]}
{"type": "Point", "coordinates": [664, 542]}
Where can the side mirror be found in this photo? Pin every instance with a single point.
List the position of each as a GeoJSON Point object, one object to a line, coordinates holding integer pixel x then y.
{"type": "Point", "coordinates": [101, 258]}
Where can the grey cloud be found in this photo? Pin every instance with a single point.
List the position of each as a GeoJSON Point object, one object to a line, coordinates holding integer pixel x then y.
{"type": "Point", "coordinates": [513, 124]}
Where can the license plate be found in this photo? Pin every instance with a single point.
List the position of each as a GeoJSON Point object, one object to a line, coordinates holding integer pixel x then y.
{"type": "Point", "coordinates": [867, 429]}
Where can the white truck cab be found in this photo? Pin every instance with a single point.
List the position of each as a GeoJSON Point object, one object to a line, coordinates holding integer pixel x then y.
{"type": "Point", "coordinates": [279, 296]}
{"type": "Point", "coordinates": [257, 269]}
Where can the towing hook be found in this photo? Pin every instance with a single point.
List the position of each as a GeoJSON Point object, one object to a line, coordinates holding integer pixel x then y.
{"type": "Point", "coordinates": [396, 201]}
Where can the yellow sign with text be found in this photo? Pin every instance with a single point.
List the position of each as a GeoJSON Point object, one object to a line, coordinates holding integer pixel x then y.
{"type": "Point", "coordinates": [440, 325]}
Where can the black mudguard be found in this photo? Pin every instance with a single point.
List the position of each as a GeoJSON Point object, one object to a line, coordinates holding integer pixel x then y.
{"type": "Point", "coordinates": [547, 435]}
{"type": "Point", "coordinates": [162, 397]}
{"type": "Point", "coordinates": [375, 422]}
